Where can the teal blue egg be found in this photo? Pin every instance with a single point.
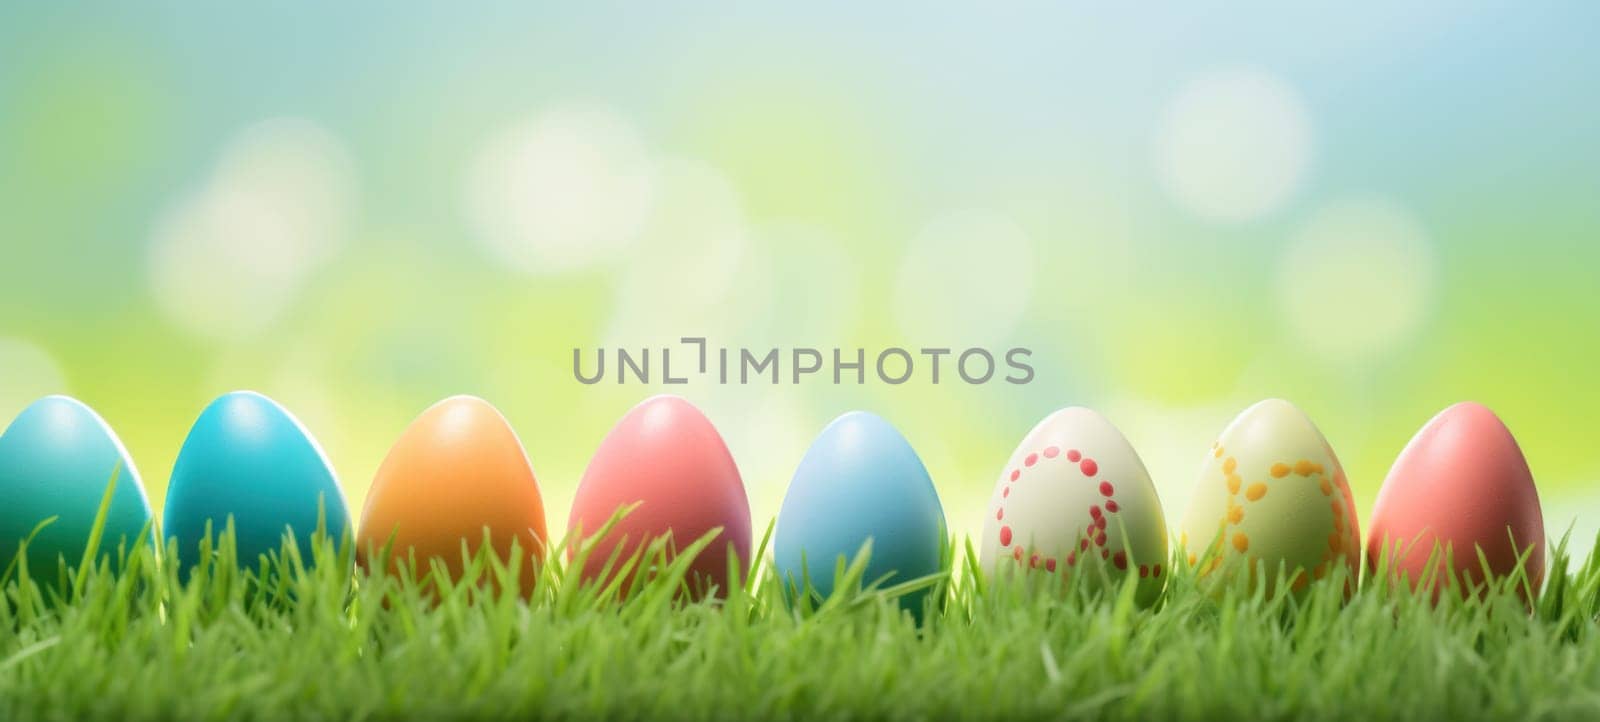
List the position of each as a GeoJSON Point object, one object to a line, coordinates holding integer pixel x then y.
{"type": "Point", "coordinates": [57, 459]}
{"type": "Point", "coordinates": [249, 459]}
{"type": "Point", "coordinates": [860, 480]}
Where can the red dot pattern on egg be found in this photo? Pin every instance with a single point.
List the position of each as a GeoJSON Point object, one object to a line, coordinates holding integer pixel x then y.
{"type": "Point", "coordinates": [1095, 533]}
{"type": "Point", "coordinates": [1000, 514]}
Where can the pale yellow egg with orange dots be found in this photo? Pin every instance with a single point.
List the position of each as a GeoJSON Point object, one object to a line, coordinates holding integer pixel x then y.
{"type": "Point", "coordinates": [1272, 496]}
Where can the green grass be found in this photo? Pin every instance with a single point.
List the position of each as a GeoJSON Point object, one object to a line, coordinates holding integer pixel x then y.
{"type": "Point", "coordinates": [330, 641]}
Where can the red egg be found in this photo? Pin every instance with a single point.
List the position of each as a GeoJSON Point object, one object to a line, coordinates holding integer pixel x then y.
{"type": "Point", "coordinates": [1463, 484]}
{"type": "Point", "coordinates": [666, 457]}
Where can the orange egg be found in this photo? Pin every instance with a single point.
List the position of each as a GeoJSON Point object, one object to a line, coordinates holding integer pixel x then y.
{"type": "Point", "coordinates": [456, 470]}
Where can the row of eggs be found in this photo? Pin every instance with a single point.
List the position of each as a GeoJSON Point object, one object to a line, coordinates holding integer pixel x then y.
{"type": "Point", "coordinates": [1271, 494]}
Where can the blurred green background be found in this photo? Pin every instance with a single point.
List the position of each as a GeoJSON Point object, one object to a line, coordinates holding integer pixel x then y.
{"type": "Point", "coordinates": [358, 210]}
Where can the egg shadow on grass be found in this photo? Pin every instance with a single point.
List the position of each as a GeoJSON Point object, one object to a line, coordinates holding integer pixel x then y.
{"type": "Point", "coordinates": [480, 572]}
{"type": "Point", "coordinates": [617, 568]}
{"type": "Point", "coordinates": [278, 577]}
{"type": "Point", "coordinates": [1391, 564]}
{"type": "Point", "coordinates": [850, 588]}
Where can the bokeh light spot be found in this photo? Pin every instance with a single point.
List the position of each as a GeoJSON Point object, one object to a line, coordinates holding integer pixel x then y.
{"type": "Point", "coordinates": [683, 267]}
{"type": "Point", "coordinates": [1233, 145]}
{"type": "Point", "coordinates": [228, 258]}
{"type": "Point", "coordinates": [1357, 280]}
{"type": "Point", "coordinates": [27, 373]}
{"type": "Point", "coordinates": [967, 278]}
{"type": "Point", "coordinates": [569, 188]}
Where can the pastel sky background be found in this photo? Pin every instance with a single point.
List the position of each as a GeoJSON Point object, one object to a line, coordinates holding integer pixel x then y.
{"type": "Point", "coordinates": [358, 210]}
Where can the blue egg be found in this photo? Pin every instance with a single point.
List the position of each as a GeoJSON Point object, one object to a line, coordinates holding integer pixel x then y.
{"type": "Point", "coordinates": [247, 458]}
{"type": "Point", "coordinates": [859, 480]}
{"type": "Point", "coordinates": [56, 460]}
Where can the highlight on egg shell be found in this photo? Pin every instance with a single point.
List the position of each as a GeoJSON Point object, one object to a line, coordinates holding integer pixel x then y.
{"type": "Point", "coordinates": [1075, 496]}
{"type": "Point", "coordinates": [1460, 488]}
{"type": "Point", "coordinates": [57, 459]}
{"type": "Point", "coordinates": [860, 480]}
{"type": "Point", "coordinates": [248, 460]}
{"type": "Point", "coordinates": [666, 464]}
{"type": "Point", "coordinates": [456, 471]}
{"type": "Point", "coordinates": [1272, 495]}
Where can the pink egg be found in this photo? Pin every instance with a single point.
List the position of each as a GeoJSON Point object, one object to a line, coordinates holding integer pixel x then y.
{"type": "Point", "coordinates": [1461, 483]}
{"type": "Point", "coordinates": [666, 458]}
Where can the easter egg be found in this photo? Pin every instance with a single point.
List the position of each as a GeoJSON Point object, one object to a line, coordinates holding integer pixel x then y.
{"type": "Point", "coordinates": [456, 471]}
{"type": "Point", "coordinates": [57, 459]}
{"type": "Point", "coordinates": [666, 461]}
{"type": "Point", "coordinates": [1272, 495]}
{"type": "Point", "coordinates": [1075, 493]}
{"type": "Point", "coordinates": [248, 459]}
{"type": "Point", "coordinates": [1461, 485]}
{"type": "Point", "coordinates": [860, 480]}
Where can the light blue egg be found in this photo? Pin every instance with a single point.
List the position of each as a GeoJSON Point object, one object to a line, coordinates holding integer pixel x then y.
{"type": "Point", "coordinates": [248, 458]}
{"type": "Point", "coordinates": [859, 480]}
{"type": "Point", "coordinates": [56, 460]}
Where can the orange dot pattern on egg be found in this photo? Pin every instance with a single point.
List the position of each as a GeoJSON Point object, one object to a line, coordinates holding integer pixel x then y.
{"type": "Point", "coordinates": [1341, 542]}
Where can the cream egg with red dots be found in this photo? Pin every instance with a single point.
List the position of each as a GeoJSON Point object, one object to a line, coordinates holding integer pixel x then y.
{"type": "Point", "coordinates": [1271, 496]}
{"type": "Point", "coordinates": [1074, 497]}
